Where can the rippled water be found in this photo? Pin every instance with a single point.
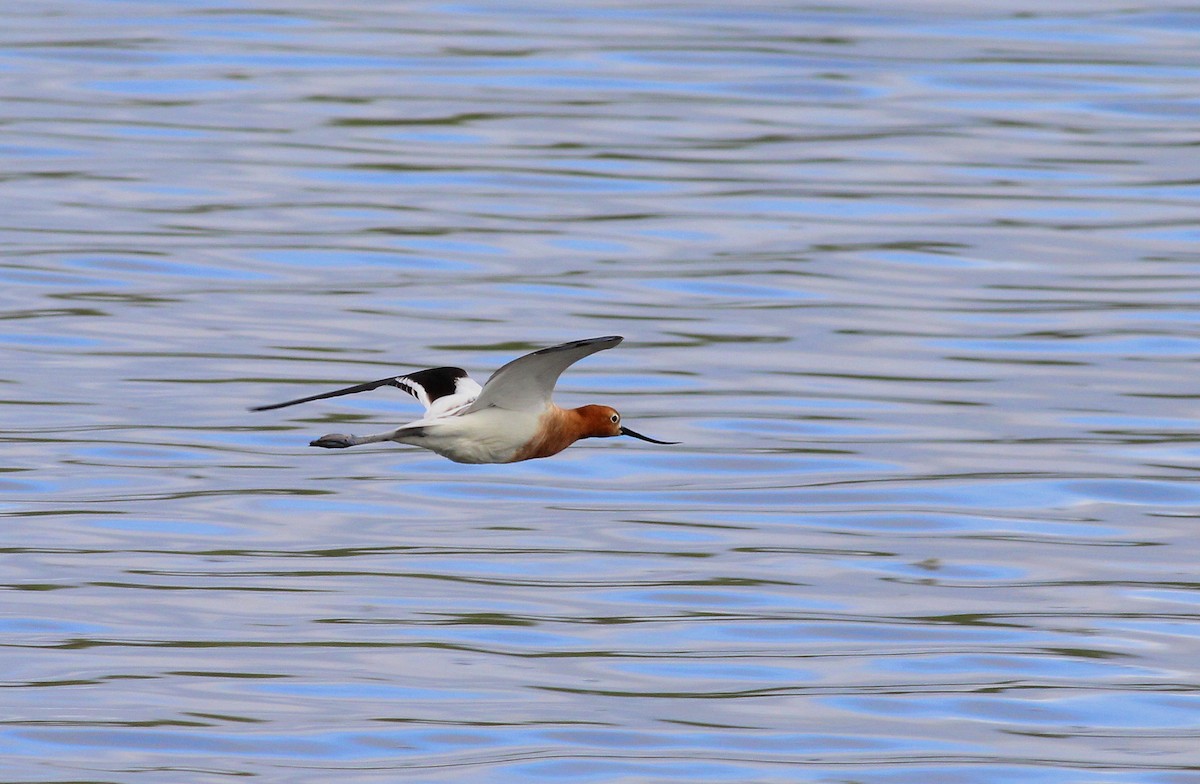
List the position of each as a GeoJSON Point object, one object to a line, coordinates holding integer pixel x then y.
{"type": "Point", "coordinates": [916, 286]}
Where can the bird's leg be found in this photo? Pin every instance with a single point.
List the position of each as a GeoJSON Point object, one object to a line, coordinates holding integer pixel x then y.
{"type": "Point", "coordinates": [340, 441]}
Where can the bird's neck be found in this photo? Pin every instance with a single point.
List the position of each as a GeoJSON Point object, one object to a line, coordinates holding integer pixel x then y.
{"type": "Point", "coordinates": [558, 428]}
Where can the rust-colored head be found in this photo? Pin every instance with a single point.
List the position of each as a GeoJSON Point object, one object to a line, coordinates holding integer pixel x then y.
{"type": "Point", "coordinates": [605, 422]}
{"type": "Point", "coordinates": [599, 421]}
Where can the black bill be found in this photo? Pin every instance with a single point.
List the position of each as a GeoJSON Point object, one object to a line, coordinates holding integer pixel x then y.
{"type": "Point", "coordinates": [627, 432]}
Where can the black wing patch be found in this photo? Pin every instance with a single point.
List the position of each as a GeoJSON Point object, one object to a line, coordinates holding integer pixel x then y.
{"type": "Point", "coordinates": [434, 383]}
{"type": "Point", "coordinates": [425, 385]}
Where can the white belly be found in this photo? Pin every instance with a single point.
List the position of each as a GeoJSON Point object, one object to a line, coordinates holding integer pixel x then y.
{"type": "Point", "coordinates": [489, 436]}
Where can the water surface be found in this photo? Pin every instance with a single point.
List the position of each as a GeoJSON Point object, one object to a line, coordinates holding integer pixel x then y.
{"type": "Point", "coordinates": [916, 287]}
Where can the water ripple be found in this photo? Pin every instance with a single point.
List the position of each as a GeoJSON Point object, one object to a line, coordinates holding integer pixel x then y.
{"type": "Point", "coordinates": [915, 287]}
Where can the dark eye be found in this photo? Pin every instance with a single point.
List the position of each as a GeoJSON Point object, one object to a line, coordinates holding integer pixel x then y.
{"type": "Point", "coordinates": [615, 418]}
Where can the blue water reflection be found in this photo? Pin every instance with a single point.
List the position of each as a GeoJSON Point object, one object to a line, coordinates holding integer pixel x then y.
{"type": "Point", "coordinates": [913, 286]}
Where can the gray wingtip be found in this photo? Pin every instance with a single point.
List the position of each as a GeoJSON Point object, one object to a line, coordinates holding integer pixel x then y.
{"type": "Point", "coordinates": [611, 340]}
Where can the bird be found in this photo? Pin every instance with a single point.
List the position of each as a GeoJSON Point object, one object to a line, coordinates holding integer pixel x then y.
{"type": "Point", "coordinates": [509, 419]}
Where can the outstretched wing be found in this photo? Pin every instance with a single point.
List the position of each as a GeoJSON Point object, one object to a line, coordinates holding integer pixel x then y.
{"type": "Point", "coordinates": [442, 391]}
{"type": "Point", "coordinates": [526, 383]}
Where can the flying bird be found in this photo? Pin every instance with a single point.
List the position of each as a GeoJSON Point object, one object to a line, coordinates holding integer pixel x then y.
{"type": "Point", "coordinates": [509, 419]}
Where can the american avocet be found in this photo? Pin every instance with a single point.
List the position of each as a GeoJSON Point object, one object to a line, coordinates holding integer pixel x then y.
{"type": "Point", "coordinates": [509, 418]}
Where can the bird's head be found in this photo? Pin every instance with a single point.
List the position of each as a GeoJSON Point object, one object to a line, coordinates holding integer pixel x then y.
{"type": "Point", "coordinates": [605, 422]}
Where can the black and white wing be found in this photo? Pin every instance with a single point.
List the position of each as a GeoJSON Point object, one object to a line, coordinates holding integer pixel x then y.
{"type": "Point", "coordinates": [443, 391]}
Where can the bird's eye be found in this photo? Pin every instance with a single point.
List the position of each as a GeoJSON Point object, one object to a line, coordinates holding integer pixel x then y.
{"type": "Point", "coordinates": [615, 418]}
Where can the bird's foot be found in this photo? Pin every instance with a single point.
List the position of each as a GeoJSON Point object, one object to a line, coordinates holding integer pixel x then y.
{"type": "Point", "coordinates": [334, 441]}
